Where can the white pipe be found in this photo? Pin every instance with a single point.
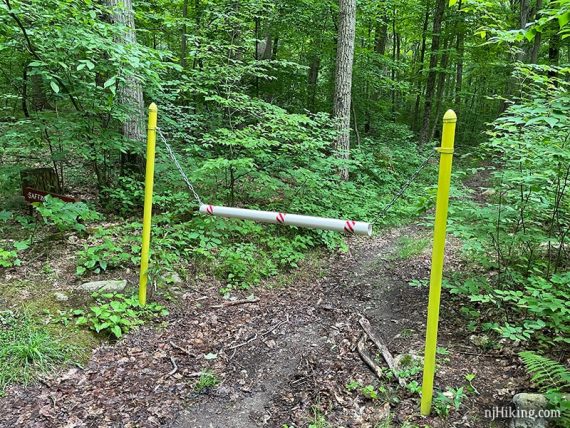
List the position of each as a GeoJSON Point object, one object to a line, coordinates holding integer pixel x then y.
{"type": "Point", "coordinates": [348, 226]}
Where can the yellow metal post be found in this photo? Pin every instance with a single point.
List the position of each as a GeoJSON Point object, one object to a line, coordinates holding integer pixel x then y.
{"type": "Point", "coordinates": [148, 185]}
{"type": "Point", "coordinates": [437, 257]}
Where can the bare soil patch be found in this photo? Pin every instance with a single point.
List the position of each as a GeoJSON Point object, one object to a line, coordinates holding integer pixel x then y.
{"type": "Point", "coordinates": [279, 360]}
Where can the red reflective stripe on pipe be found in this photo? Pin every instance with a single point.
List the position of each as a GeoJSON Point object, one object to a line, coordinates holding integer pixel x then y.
{"type": "Point", "coordinates": [210, 210]}
{"type": "Point", "coordinates": [280, 217]}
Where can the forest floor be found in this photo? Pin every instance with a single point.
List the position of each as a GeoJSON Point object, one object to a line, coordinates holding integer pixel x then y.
{"type": "Point", "coordinates": [285, 359]}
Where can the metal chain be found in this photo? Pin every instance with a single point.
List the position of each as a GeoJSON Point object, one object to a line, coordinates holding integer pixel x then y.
{"type": "Point", "coordinates": [383, 212]}
{"type": "Point", "coordinates": [408, 184]}
{"type": "Point", "coordinates": [175, 160]}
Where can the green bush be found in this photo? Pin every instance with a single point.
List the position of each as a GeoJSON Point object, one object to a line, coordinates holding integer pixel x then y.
{"type": "Point", "coordinates": [115, 314]}
{"type": "Point", "coordinates": [519, 235]}
{"type": "Point", "coordinates": [65, 216]}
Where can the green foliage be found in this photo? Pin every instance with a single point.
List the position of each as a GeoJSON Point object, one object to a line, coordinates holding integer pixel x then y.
{"type": "Point", "coordinates": [519, 235]}
{"type": "Point", "coordinates": [115, 314]}
{"type": "Point", "coordinates": [443, 402]}
{"type": "Point", "coordinates": [408, 247]}
{"type": "Point", "coordinates": [206, 381]}
{"type": "Point", "coordinates": [552, 378]}
{"type": "Point", "coordinates": [546, 373]}
{"type": "Point", "coordinates": [27, 349]}
{"type": "Point", "coordinates": [106, 255]}
{"type": "Point", "coordinates": [125, 197]}
{"type": "Point", "coordinates": [65, 216]}
{"type": "Point", "coordinates": [353, 385]}
{"type": "Point", "coordinates": [9, 258]}
{"type": "Point", "coordinates": [318, 420]}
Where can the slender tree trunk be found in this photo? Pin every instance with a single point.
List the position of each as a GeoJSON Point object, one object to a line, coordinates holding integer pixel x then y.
{"type": "Point", "coordinates": [343, 78]}
{"type": "Point", "coordinates": [554, 54]}
{"type": "Point", "coordinates": [129, 93]}
{"type": "Point", "coordinates": [430, 84]}
{"type": "Point", "coordinates": [313, 79]}
{"type": "Point", "coordinates": [393, 68]}
{"type": "Point", "coordinates": [460, 49]}
{"type": "Point", "coordinates": [441, 78]}
{"type": "Point", "coordinates": [183, 41]}
{"type": "Point", "coordinates": [533, 56]}
{"type": "Point", "coordinates": [380, 35]}
{"type": "Point", "coordinates": [416, 111]}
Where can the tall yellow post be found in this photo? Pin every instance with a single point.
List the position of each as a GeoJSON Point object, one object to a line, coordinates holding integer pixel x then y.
{"type": "Point", "coordinates": [437, 257]}
{"type": "Point", "coordinates": [148, 186]}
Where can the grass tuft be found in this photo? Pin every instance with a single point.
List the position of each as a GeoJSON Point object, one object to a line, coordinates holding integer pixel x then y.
{"type": "Point", "coordinates": [27, 349]}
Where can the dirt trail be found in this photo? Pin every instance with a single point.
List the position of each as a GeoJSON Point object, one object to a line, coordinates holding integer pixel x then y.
{"type": "Point", "coordinates": [277, 359]}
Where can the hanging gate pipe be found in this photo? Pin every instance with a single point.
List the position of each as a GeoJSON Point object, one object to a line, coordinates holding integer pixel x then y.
{"type": "Point", "coordinates": [347, 226]}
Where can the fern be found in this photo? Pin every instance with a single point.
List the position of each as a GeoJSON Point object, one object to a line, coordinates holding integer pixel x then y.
{"type": "Point", "coordinates": [554, 379]}
{"type": "Point", "coordinates": [547, 374]}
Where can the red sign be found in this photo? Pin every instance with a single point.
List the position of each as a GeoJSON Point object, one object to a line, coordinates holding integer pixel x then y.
{"type": "Point", "coordinates": [33, 195]}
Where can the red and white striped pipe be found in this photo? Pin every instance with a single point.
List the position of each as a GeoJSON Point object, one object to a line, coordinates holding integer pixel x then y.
{"type": "Point", "coordinates": [348, 226]}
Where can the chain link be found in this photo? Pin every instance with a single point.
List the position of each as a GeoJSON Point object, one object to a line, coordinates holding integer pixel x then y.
{"type": "Point", "coordinates": [383, 212]}
{"type": "Point", "coordinates": [408, 184]}
{"type": "Point", "coordinates": [182, 173]}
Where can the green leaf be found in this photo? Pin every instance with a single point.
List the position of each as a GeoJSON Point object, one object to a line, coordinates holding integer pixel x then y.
{"type": "Point", "coordinates": [116, 330]}
{"type": "Point", "coordinates": [563, 19]}
{"type": "Point", "coordinates": [54, 86]}
{"type": "Point", "coordinates": [452, 2]}
{"type": "Point", "coordinates": [22, 245]}
{"type": "Point", "coordinates": [110, 82]}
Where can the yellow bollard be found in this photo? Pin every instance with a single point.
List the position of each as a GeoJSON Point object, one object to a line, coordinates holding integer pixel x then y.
{"type": "Point", "coordinates": [437, 257]}
{"type": "Point", "coordinates": [148, 185]}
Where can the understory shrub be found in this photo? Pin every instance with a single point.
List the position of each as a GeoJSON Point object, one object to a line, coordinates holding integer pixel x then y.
{"type": "Point", "coordinates": [519, 233]}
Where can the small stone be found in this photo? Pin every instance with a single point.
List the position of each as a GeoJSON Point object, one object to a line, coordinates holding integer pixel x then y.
{"type": "Point", "coordinates": [529, 405]}
{"type": "Point", "coordinates": [481, 341]}
{"type": "Point", "coordinates": [61, 297]}
{"type": "Point", "coordinates": [174, 278]}
{"type": "Point", "coordinates": [407, 361]}
{"type": "Point", "coordinates": [108, 286]}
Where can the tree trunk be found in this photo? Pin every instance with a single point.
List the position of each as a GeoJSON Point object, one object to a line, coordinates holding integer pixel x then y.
{"type": "Point", "coordinates": [554, 55]}
{"type": "Point", "coordinates": [183, 41]}
{"type": "Point", "coordinates": [533, 56]}
{"type": "Point", "coordinates": [129, 92]}
{"type": "Point", "coordinates": [430, 84]}
{"type": "Point", "coordinates": [313, 79]}
{"type": "Point", "coordinates": [460, 49]}
{"type": "Point", "coordinates": [343, 78]}
{"type": "Point", "coordinates": [440, 84]}
{"type": "Point", "coordinates": [380, 34]}
{"type": "Point", "coordinates": [416, 111]}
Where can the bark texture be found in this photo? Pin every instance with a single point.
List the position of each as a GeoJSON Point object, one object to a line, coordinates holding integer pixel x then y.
{"type": "Point", "coordinates": [431, 79]}
{"type": "Point", "coordinates": [129, 93]}
{"type": "Point", "coordinates": [343, 77]}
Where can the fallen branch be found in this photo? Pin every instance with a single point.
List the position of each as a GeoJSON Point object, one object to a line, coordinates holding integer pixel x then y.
{"type": "Point", "coordinates": [181, 349]}
{"type": "Point", "coordinates": [174, 369]}
{"type": "Point", "coordinates": [251, 339]}
{"type": "Point", "coordinates": [366, 358]}
{"type": "Point", "coordinates": [236, 302]}
{"type": "Point", "coordinates": [275, 327]}
{"type": "Point", "coordinates": [379, 342]}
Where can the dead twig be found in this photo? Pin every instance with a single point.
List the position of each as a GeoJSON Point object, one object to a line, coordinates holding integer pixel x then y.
{"type": "Point", "coordinates": [235, 302]}
{"type": "Point", "coordinates": [272, 329]}
{"type": "Point", "coordinates": [181, 349]}
{"type": "Point", "coordinates": [366, 358]}
{"type": "Point", "coordinates": [381, 344]}
{"type": "Point", "coordinates": [251, 339]}
{"type": "Point", "coordinates": [174, 368]}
